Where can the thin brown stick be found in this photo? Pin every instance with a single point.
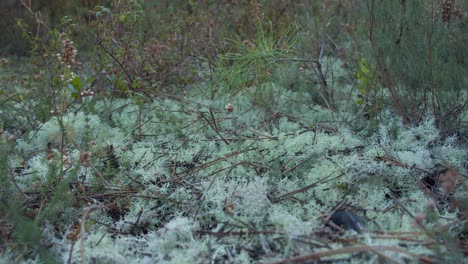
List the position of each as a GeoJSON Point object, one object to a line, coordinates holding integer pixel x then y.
{"type": "Point", "coordinates": [381, 68]}
{"type": "Point", "coordinates": [206, 165]}
{"type": "Point", "coordinates": [303, 189]}
{"type": "Point", "coordinates": [213, 125]}
{"type": "Point", "coordinates": [435, 104]}
{"type": "Point", "coordinates": [349, 250]}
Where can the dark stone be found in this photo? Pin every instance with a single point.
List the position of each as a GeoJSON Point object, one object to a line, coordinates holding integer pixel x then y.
{"type": "Point", "coordinates": [348, 220]}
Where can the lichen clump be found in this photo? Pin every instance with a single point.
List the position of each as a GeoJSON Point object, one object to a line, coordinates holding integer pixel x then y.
{"type": "Point", "coordinates": [186, 195]}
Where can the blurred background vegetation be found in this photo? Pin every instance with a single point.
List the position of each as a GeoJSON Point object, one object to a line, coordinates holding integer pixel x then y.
{"type": "Point", "coordinates": [407, 56]}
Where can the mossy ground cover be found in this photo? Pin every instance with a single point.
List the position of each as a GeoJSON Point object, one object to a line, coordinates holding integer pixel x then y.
{"type": "Point", "coordinates": [187, 181]}
{"type": "Point", "coordinates": [275, 138]}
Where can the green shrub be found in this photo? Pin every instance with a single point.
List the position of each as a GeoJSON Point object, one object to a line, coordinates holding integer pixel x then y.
{"type": "Point", "coordinates": [417, 49]}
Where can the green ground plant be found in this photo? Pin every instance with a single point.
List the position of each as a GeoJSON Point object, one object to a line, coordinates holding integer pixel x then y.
{"type": "Point", "coordinates": [429, 34]}
{"type": "Point", "coordinates": [234, 132]}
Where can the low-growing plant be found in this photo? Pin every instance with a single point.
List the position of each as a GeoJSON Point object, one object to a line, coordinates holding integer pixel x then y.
{"type": "Point", "coordinates": [253, 63]}
{"type": "Point", "coordinates": [234, 131]}
{"type": "Point", "coordinates": [417, 48]}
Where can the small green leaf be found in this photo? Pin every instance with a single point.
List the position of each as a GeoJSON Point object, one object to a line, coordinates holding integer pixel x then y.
{"type": "Point", "coordinates": [363, 66]}
{"type": "Point", "coordinates": [313, 125]}
{"type": "Point", "coordinates": [362, 89]}
{"type": "Point", "coordinates": [77, 84]}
